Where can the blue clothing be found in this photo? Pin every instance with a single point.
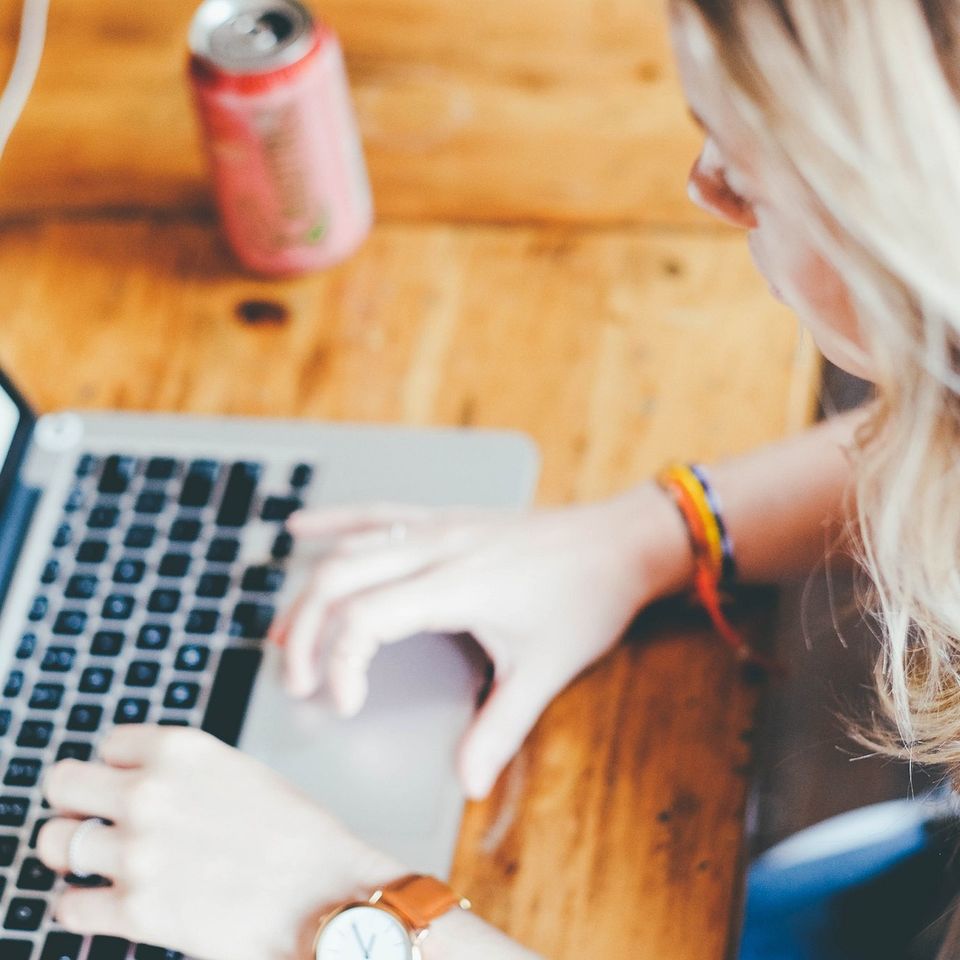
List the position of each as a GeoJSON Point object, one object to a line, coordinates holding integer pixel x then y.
{"type": "Point", "coordinates": [870, 884]}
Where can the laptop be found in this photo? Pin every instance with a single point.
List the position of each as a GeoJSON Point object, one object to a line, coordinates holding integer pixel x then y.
{"type": "Point", "coordinates": [142, 559]}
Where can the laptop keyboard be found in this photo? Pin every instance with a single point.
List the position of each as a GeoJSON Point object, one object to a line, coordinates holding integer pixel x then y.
{"type": "Point", "coordinates": [146, 612]}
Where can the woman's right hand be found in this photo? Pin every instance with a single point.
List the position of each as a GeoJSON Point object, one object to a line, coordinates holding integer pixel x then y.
{"type": "Point", "coordinates": [544, 593]}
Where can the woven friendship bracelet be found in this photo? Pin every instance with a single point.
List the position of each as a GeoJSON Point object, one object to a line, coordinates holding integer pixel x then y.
{"type": "Point", "coordinates": [712, 548]}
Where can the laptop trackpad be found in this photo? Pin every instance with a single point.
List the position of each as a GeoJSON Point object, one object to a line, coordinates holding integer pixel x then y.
{"type": "Point", "coordinates": [388, 774]}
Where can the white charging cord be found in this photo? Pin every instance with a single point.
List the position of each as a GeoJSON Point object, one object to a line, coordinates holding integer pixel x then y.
{"type": "Point", "coordinates": [33, 35]}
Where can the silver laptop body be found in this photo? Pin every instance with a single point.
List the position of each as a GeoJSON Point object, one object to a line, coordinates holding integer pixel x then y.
{"type": "Point", "coordinates": [388, 774]}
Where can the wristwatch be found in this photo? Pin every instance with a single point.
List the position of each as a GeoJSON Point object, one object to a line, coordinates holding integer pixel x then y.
{"type": "Point", "coordinates": [391, 925]}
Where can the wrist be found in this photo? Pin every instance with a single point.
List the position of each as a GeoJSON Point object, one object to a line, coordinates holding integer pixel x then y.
{"type": "Point", "coordinates": [657, 544]}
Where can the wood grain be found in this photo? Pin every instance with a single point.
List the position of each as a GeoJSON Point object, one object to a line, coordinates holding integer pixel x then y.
{"type": "Point", "coordinates": [470, 112]}
{"type": "Point", "coordinates": [615, 350]}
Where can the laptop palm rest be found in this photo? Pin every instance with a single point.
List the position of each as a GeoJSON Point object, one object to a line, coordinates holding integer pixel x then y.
{"type": "Point", "coordinates": [388, 773]}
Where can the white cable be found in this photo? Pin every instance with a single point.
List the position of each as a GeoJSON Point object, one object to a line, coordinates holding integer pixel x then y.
{"type": "Point", "coordinates": [33, 34]}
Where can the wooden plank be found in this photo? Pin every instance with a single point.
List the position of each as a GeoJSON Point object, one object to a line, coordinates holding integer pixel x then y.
{"type": "Point", "coordinates": [545, 111]}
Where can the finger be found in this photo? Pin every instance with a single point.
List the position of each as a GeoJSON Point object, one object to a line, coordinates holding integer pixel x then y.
{"type": "Point", "coordinates": [279, 631]}
{"type": "Point", "coordinates": [337, 521]}
{"type": "Point", "coordinates": [133, 745]}
{"type": "Point", "coordinates": [364, 623]}
{"type": "Point", "coordinates": [498, 732]}
{"type": "Point", "coordinates": [97, 911]}
{"type": "Point", "coordinates": [333, 580]}
{"type": "Point", "coordinates": [97, 853]}
{"type": "Point", "coordinates": [87, 789]}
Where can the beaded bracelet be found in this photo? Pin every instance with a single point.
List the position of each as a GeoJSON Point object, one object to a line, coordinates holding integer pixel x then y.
{"type": "Point", "coordinates": [697, 501]}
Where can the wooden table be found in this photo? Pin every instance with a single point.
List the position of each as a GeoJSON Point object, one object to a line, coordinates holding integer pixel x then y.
{"type": "Point", "coordinates": [536, 266]}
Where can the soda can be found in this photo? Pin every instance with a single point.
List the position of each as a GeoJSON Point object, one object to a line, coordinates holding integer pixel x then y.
{"type": "Point", "coordinates": [284, 150]}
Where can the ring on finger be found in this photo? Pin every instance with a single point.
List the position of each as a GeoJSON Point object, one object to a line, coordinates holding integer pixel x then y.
{"type": "Point", "coordinates": [76, 841]}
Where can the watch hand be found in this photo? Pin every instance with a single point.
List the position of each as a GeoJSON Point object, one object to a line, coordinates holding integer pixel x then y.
{"type": "Point", "coordinates": [363, 949]}
{"type": "Point", "coordinates": [373, 940]}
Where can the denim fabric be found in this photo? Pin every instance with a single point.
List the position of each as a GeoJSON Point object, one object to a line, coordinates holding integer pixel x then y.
{"type": "Point", "coordinates": [872, 900]}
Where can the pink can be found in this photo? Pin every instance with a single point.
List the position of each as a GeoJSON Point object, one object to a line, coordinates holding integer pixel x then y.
{"type": "Point", "coordinates": [284, 149]}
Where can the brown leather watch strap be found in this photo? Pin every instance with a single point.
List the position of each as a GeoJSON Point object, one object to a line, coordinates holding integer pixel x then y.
{"type": "Point", "coordinates": [420, 900]}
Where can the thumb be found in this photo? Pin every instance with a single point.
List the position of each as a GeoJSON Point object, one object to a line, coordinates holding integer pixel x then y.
{"type": "Point", "coordinates": [499, 730]}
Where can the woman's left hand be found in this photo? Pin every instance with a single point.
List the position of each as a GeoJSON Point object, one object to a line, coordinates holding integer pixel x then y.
{"type": "Point", "coordinates": [209, 851]}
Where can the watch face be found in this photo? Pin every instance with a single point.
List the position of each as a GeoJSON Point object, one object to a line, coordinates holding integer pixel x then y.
{"type": "Point", "coordinates": [364, 933]}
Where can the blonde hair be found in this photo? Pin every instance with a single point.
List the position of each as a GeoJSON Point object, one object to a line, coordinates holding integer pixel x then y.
{"type": "Point", "coordinates": [852, 106]}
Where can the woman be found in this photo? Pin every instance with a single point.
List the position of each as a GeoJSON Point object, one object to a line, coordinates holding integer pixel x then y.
{"type": "Point", "coordinates": [833, 137]}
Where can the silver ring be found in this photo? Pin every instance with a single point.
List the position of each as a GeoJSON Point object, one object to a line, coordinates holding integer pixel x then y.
{"type": "Point", "coordinates": [78, 836]}
{"type": "Point", "coordinates": [398, 532]}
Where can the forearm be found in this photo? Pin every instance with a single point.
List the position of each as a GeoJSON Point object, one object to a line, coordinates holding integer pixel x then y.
{"type": "Point", "coordinates": [782, 504]}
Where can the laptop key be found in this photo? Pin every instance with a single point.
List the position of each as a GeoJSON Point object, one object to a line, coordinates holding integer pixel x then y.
{"type": "Point", "coordinates": [197, 489]}
{"type": "Point", "coordinates": [27, 646]}
{"type": "Point", "coordinates": [75, 500]}
{"type": "Point", "coordinates": [92, 551]}
{"type": "Point", "coordinates": [96, 680]}
{"type": "Point", "coordinates": [131, 710]}
{"type": "Point", "coordinates": [238, 496]}
{"type": "Point", "coordinates": [161, 468]}
{"type": "Point", "coordinates": [87, 465]}
{"type": "Point", "coordinates": [35, 832]}
{"type": "Point", "coordinates": [146, 952]}
{"type": "Point", "coordinates": [150, 502]}
{"type": "Point", "coordinates": [185, 530]}
{"type": "Point", "coordinates": [25, 914]}
{"type": "Point", "coordinates": [58, 659]}
{"type": "Point", "coordinates": [22, 772]}
{"type": "Point", "coordinates": [63, 536]}
{"type": "Point", "coordinates": [108, 948]}
{"type": "Point", "coordinates": [62, 946]}
{"type": "Point", "coordinates": [8, 850]}
{"type": "Point", "coordinates": [202, 622]}
{"type": "Point", "coordinates": [262, 580]}
{"type": "Point", "coordinates": [70, 623]}
{"type": "Point", "coordinates": [142, 673]}
{"type": "Point", "coordinates": [85, 718]}
{"type": "Point", "coordinates": [14, 684]}
{"type": "Point", "coordinates": [302, 476]}
{"type": "Point", "coordinates": [140, 537]}
{"type": "Point", "coordinates": [164, 601]}
{"type": "Point", "coordinates": [279, 509]}
{"type": "Point", "coordinates": [107, 643]}
{"type": "Point", "coordinates": [46, 696]}
{"type": "Point", "coordinates": [192, 658]}
{"type": "Point", "coordinates": [5, 717]}
{"type": "Point", "coordinates": [35, 876]}
{"type": "Point", "coordinates": [50, 572]}
{"type": "Point", "coordinates": [117, 473]}
{"type": "Point", "coordinates": [223, 550]}
{"type": "Point", "coordinates": [16, 949]}
{"type": "Point", "coordinates": [13, 811]}
{"type": "Point", "coordinates": [153, 636]}
{"type": "Point", "coordinates": [38, 609]}
{"type": "Point", "coordinates": [251, 620]}
{"type": "Point", "coordinates": [182, 696]}
{"type": "Point", "coordinates": [174, 565]}
{"type": "Point", "coordinates": [74, 750]}
{"type": "Point", "coordinates": [103, 517]}
{"type": "Point", "coordinates": [35, 733]}
{"type": "Point", "coordinates": [213, 586]}
{"type": "Point", "coordinates": [81, 586]}
{"type": "Point", "coordinates": [230, 693]}
{"type": "Point", "coordinates": [118, 606]}
{"type": "Point", "coordinates": [282, 546]}
{"type": "Point", "coordinates": [129, 571]}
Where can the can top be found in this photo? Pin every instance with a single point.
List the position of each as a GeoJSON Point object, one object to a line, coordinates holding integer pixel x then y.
{"type": "Point", "coordinates": [251, 36]}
